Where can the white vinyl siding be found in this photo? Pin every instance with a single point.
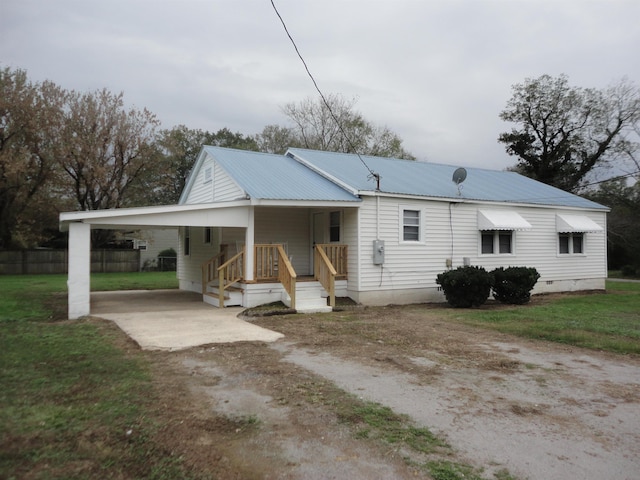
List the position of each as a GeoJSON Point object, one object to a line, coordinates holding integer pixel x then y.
{"type": "Point", "coordinates": [189, 267]}
{"type": "Point", "coordinates": [212, 184]}
{"type": "Point", "coordinates": [415, 265]}
{"type": "Point", "coordinates": [286, 225]}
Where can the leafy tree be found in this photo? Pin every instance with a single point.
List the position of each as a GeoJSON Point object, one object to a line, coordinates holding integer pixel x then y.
{"type": "Point", "coordinates": [623, 221]}
{"type": "Point", "coordinates": [564, 132]}
{"type": "Point", "coordinates": [314, 125]}
{"type": "Point", "coordinates": [178, 150]}
{"type": "Point", "coordinates": [30, 120]}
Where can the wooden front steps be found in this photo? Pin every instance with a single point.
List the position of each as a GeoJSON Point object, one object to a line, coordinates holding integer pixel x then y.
{"type": "Point", "coordinates": [232, 296]}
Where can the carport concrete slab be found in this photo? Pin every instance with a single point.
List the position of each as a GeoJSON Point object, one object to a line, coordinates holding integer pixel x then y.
{"type": "Point", "coordinates": [175, 319]}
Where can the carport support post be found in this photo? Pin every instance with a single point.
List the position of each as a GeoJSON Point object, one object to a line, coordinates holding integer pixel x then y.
{"type": "Point", "coordinates": [249, 243]}
{"type": "Point", "coordinates": [79, 279]}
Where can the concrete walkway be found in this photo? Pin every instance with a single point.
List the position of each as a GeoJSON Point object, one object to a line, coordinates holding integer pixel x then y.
{"type": "Point", "coordinates": [175, 319]}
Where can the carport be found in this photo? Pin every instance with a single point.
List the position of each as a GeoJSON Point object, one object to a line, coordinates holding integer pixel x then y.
{"type": "Point", "coordinates": [175, 319]}
{"type": "Point", "coordinates": [79, 225]}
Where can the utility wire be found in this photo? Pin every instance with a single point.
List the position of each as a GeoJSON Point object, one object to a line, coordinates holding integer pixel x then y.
{"type": "Point", "coordinates": [372, 174]}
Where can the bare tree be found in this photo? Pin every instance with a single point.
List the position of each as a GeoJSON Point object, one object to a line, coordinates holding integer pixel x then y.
{"type": "Point", "coordinates": [332, 126]}
{"type": "Point", "coordinates": [105, 148]}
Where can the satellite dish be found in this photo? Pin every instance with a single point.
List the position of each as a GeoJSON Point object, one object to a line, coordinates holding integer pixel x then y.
{"type": "Point", "coordinates": [459, 175]}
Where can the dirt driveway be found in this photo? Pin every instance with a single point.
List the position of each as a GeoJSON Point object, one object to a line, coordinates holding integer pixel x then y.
{"type": "Point", "coordinates": [507, 407]}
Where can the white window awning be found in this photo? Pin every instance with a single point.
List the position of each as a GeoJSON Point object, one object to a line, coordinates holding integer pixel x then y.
{"type": "Point", "coordinates": [576, 224]}
{"type": "Point", "coordinates": [501, 220]}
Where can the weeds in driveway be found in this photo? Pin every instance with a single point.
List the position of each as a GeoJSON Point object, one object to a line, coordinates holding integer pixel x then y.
{"type": "Point", "coordinates": [377, 422]}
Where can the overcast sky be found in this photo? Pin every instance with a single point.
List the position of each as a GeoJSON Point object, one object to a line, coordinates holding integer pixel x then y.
{"type": "Point", "coordinates": [435, 72]}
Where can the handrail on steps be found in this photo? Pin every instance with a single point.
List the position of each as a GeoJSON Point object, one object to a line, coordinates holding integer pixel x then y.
{"type": "Point", "coordinates": [210, 269]}
{"type": "Point", "coordinates": [229, 273]}
{"type": "Point", "coordinates": [287, 275]}
{"type": "Point", "coordinates": [325, 273]}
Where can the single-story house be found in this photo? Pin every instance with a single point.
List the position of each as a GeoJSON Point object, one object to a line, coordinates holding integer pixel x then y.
{"type": "Point", "coordinates": [151, 243]}
{"type": "Point", "coordinates": [307, 226]}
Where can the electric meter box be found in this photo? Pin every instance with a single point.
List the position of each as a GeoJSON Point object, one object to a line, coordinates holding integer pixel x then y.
{"type": "Point", "coordinates": [378, 252]}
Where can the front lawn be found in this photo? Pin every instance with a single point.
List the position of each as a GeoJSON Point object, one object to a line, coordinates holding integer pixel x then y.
{"type": "Point", "coordinates": [608, 321]}
{"type": "Point", "coordinates": [73, 404]}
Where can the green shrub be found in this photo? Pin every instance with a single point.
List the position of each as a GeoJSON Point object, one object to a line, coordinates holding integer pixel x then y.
{"type": "Point", "coordinates": [514, 284]}
{"type": "Point", "coordinates": [169, 252]}
{"type": "Point", "coordinates": [628, 271]}
{"type": "Point", "coordinates": [465, 287]}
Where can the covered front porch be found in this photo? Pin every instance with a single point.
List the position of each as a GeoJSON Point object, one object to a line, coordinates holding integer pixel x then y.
{"type": "Point", "coordinates": [227, 251]}
{"type": "Point", "coordinates": [225, 280]}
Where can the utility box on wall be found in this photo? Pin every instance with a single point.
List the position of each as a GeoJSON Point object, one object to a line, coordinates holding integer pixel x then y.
{"type": "Point", "coordinates": [378, 252]}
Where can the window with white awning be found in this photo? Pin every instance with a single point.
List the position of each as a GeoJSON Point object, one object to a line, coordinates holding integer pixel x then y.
{"type": "Point", "coordinates": [501, 220]}
{"type": "Point", "coordinates": [576, 224]}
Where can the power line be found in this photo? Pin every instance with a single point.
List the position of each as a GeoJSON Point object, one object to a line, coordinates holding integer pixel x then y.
{"type": "Point", "coordinates": [619, 177]}
{"type": "Point", "coordinates": [372, 174]}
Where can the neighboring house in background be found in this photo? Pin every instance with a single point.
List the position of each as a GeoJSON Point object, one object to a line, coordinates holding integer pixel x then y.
{"type": "Point", "coordinates": [254, 227]}
{"type": "Point", "coordinates": [151, 243]}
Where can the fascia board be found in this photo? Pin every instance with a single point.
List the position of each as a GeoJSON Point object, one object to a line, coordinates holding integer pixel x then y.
{"type": "Point", "coordinates": [371, 193]}
{"type": "Point", "coordinates": [306, 203]}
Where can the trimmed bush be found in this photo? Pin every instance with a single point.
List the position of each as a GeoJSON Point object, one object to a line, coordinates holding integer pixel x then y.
{"type": "Point", "coordinates": [465, 287]}
{"type": "Point", "coordinates": [169, 252]}
{"type": "Point", "coordinates": [513, 285]}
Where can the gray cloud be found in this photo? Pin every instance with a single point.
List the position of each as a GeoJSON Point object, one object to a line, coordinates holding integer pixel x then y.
{"type": "Point", "coordinates": [436, 72]}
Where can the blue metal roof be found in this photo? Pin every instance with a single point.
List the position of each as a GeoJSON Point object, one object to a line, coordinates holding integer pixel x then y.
{"type": "Point", "coordinates": [435, 180]}
{"type": "Point", "coordinates": [276, 177]}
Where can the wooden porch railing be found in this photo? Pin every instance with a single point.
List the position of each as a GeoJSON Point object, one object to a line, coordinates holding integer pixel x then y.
{"type": "Point", "coordinates": [210, 268]}
{"type": "Point", "coordinates": [272, 264]}
{"type": "Point", "coordinates": [338, 256]}
{"type": "Point", "coordinates": [230, 272]}
{"type": "Point", "coordinates": [324, 273]}
{"type": "Point", "coordinates": [287, 275]}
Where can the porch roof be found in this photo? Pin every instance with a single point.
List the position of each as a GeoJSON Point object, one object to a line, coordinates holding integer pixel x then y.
{"type": "Point", "coordinates": [229, 214]}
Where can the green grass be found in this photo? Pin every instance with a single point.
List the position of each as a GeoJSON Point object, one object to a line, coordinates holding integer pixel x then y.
{"type": "Point", "coordinates": [608, 321]}
{"type": "Point", "coordinates": [72, 404]}
{"type": "Point", "coordinates": [43, 297]}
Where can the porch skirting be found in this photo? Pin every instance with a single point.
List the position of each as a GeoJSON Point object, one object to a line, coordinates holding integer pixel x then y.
{"type": "Point", "coordinates": [254, 294]}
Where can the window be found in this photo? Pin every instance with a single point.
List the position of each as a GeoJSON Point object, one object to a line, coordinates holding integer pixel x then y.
{"type": "Point", "coordinates": [411, 225]}
{"type": "Point", "coordinates": [207, 175]}
{"type": "Point", "coordinates": [207, 235]}
{"type": "Point", "coordinates": [571, 243]}
{"type": "Point", "coordinates": [334, 226]}
{"type": "Point", "coordinates": [496, 242]}
{"type": "Point", "coordinates": [187, 241]}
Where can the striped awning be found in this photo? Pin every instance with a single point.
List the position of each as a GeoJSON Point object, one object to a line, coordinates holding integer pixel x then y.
{"type": "Point", "coordinates": [576, 224]}
{"type": "Point", "coordinates": [501, 220]}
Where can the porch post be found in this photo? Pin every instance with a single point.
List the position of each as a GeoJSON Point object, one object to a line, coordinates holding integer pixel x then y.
{"type": "Point", "coordinates": [249, 243]}
{"type": "Point", "coordinates": [79, 278]}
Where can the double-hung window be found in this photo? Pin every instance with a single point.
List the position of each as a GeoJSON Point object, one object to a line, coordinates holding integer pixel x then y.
{"type": "Point", "coordinates": [571, 243]}
{"type": "Point", "coordinates": [497, 229]}
{"type": "Point", "coordinates": [496, 242]}
{"type": "Point", "coordinates": [572, 230]}
{"type": "Point", "coordinates": [411, 225]}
